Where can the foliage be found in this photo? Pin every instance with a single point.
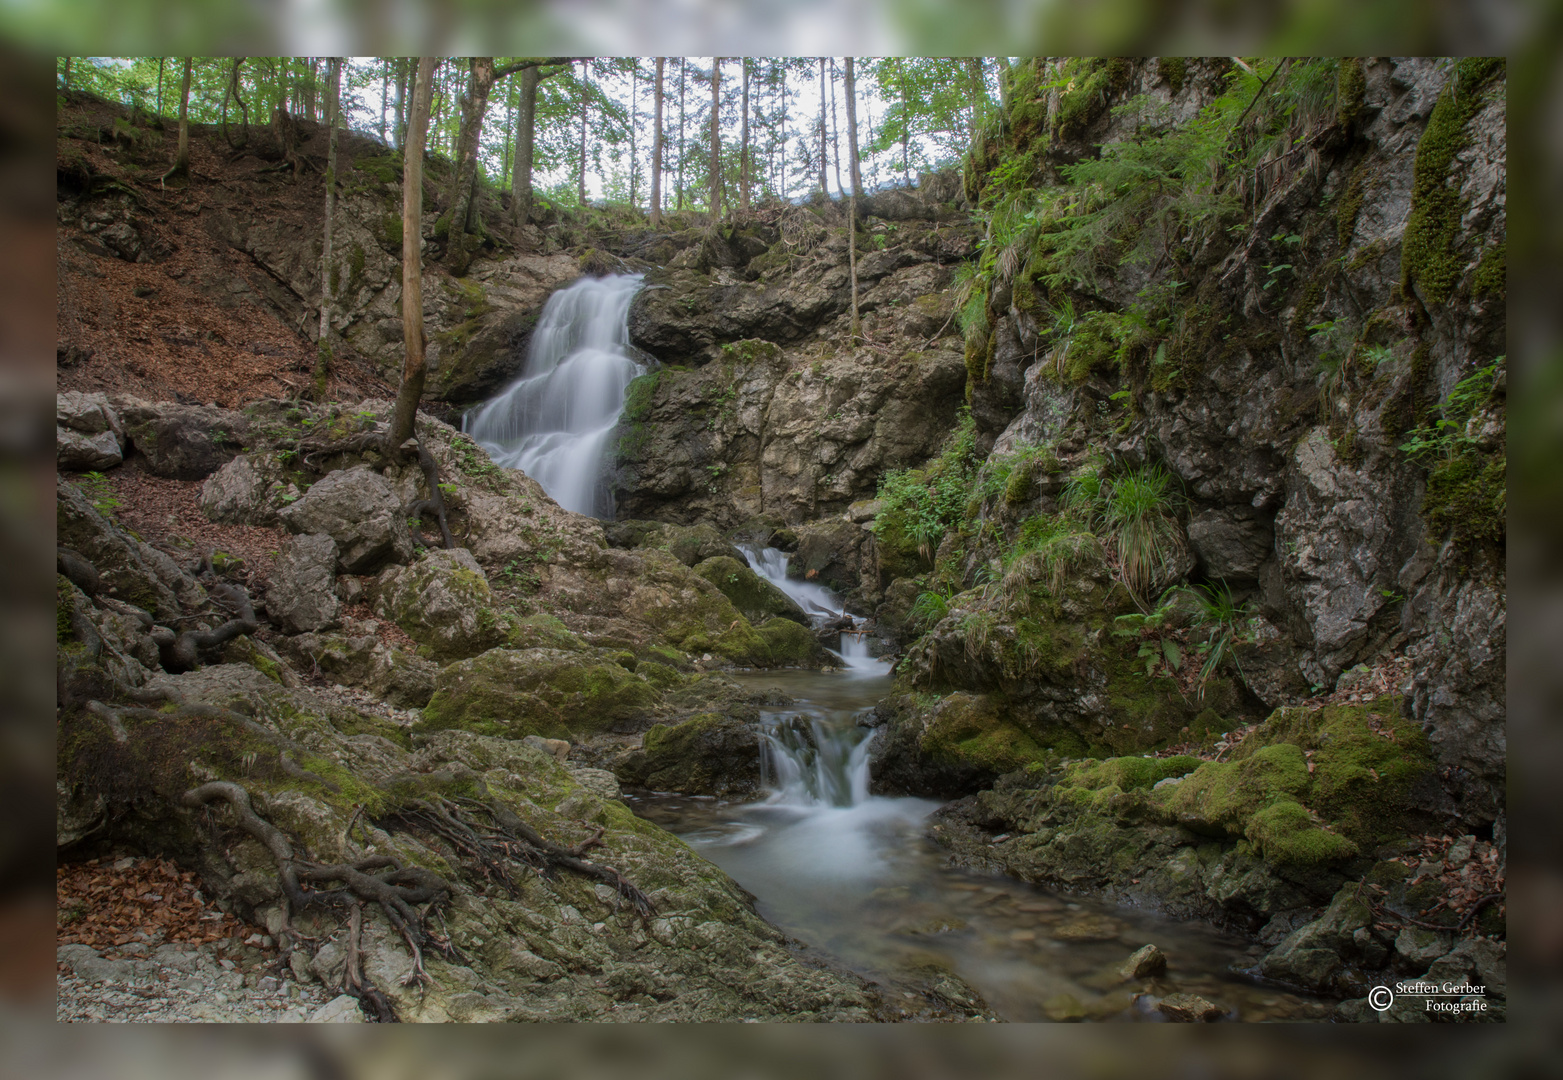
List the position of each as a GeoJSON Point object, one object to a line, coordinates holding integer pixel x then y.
{"type": "Point", "coordinates": [1135, 511]}
{"type": "Point", "coordinates": [1226, 622]}
{"type": "Point", "coordinates": [923, 504]}
{"type": "Point", "coordinates": [1450, 434]}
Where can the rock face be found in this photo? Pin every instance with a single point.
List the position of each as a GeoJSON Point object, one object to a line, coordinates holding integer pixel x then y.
{"type": "Point", "coordinates": [708, 754]}
{"type": "Point", "coordinates": [186, 442]}
{"type": "Point", "coordinates": [444, 602]}
{"type": "Point", "coordinates": [249, 490]}
{"type": "Point", "coordinates": [359, 509]}
{"type": "Point", "coordinates": [754, 597]}
{"type": "Point", "coordinates": [302, 596]}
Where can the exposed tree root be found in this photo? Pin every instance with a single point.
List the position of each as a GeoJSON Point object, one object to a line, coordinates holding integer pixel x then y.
{"type": "Point", "coordinates": [180, 652]}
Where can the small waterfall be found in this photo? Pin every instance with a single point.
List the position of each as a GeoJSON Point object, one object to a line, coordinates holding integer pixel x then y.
{"type": "Point", "coordinates": [554, 422]}
{"type": "Point", "coordinates": [819, 604]}
{"type": "Point", "coordinates": [806, 763]}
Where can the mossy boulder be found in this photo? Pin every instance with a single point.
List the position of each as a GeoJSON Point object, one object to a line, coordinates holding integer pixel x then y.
{"type": "Point", "coordinates": [443, 602]}
{"type": "Point", "coordinates": [708, 754]}
{"type": "Point", "coordinates": [791, 645]}
{"type": "Point", "coordinates": [754, 597]}
{"type": "Point", "coordinates": [548, 692]}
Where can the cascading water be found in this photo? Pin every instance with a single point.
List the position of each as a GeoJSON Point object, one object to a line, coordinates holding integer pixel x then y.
{"type": "Point", "coordinates": [554, 422]}
{"type": "Point", "coordinates": [819, 604]}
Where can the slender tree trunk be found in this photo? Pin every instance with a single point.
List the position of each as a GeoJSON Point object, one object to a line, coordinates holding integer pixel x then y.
{"type": "Point", "coordinates": [385, 96]}
{"type": "Point", "coordinates": [580, 181]}
{"type": "Point", "coordinates": [411, 392]}
{"type": "Point", "coordinates": [474, 108]}
{"type": "Point", "coordinates": [181, 166]}
{"type": "Point", "coordinates": [978, 91]}
{"type": "Point", "coordinates": [824, 181]}
{"type": "Point", "coordinates": [656, 148]}
{"type": "Point", "coordinates": [682, 66]}
{"type": "Point", "coordinates": [855, 335]}
{"type": "Point", "coordinates": [66, 85]}
{"type": "Point", "coordinates": [783, 186]}
{"type": "Point", "coordinates": [401, 102]}
{"type": "Point", "coordinates": [716, 139]}
{"type": "Point", "coordinates": [855, 168]}
{"type": "Point", "coordinates": [906, 133]}
{"type": "Point", "coordinates": [1004, 84]}
{"type": "Point", "coordinates": [328, 285]}
{"type": "Point", "coordinates": [508, 153]}
{"type": "Point", "coordinates": [160, 61]}
{"type": "Point", "coordinates": [521, 183]}
{"type": "Point", "coordinates": [743, 138]}
{"type": "Point", "coordinates": [835, 128]}
{"type": "Point", "coordinates": [634, 124]}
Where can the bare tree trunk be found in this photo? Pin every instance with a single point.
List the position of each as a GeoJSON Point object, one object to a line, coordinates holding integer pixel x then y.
{"type": "Point", "coordinates": [244, 110]}
{"type": "Point", "coordinates": [510, 132]}
{"type": "Point", "coordinates": [66, 85]}
{"type": "Point", "coordinates": [160, 61]}
{"type": "Point", "coordinates": [411, 392]}
{"type": "Point", "coordinates": [656, 149]}
{"type": "Point", "coordinates": [855, 335]}
{"type": "Point", "coordinates": [401, 102]}
{"type": "Point", "coordinates": [181, 166]}
{"type": "Point", "coordinates": [634, 106]}
{"type": "Point", "coordinates": [743, 141]}
{"type": "Point", "coordinates": [385, 97]}
{"type": "Point", "coordinates": [682, 66]}
{"type": "Point", "coordinates": [824, 181]}
{"type": "Point", "coordinates": [521, 182]}
{"type": "Point", "coordinates": [974, 73]}
{"type": "Point", "coordinates": [782, 186]}
{"type": "Point", "coordinates": [474, 108]}
{"type": "Point", "coordinates": [716, 139]}
{"type": "Point", "coordinates": [856, 170]}
{"type": "Point", "coordinates": [835, 127]}
{"type": "Point", "coordinates": [1004, 84]}
{"type": "Point", "coordinates": [328, 284]}
{"type": "Point", "coordinates": [580, 180]}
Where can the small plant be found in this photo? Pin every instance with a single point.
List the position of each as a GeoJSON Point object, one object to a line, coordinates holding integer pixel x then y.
{"type": "Point", "coordinates": [1449, 436]}
{"type": "Point", "coordinates": [96, 487]}
{"type": "Point", "coordinates": [1226, 620]}
{"type": "Point", "coordinates": [1135, 512]}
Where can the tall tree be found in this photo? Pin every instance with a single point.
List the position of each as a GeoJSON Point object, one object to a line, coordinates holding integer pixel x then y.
{"type": "Point", "coordinates": [474, 105]}
{"type": "Point", "coordinates": [65, 83]}
{"type": "Point", "coordinates": [835, 128]}
{"type": "Point", "coordinates": [634, 125]}
{"type": "Point", "coordinates": [580, 183]}
{"type": "Point", "coordinates": [533, 71]}
{"type": "Point", "coordinates": [233, 92]}
{"type": "Point", "coordinates": [160, 61]}
{"type": "Point", "coordinates": [401, 101]}
{"type": "Point", "coordinates": [411, 391]}
{"type": "Point", "coordinates": [716, 139]}
{"type": "Point", "coordinates": [824, 182]}
{"type": "Point", "coordinates": [385, 97]}
{"type": "Point", "coordinates": [857, 173]}
{"type": "Point", "coordinates": [181, 166]}
{"type": "Point", "coordinates": [743, 142]}
{"type": "Point", "coordinates": [682, 66]}
{"type": "Point", "coordinates": [328, 284]}
{"type": "Point", "coordinates": [656, 148]}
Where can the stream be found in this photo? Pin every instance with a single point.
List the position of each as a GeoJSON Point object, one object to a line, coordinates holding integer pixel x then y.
{"type": "Point", "coordinates": [853, 875]}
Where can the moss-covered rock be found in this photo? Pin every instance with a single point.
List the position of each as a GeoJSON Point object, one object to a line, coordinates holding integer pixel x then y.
{"type": "Point", "coordinates": [547, 692]}
{"type": "Point", "coordinates": [443, 602]}
{"type": "Point", "coordinates": [754, 597]}
{"type": "Point", "coordinates": [708, 754]}
{"type": "Point", "coordinates": [791, 645]}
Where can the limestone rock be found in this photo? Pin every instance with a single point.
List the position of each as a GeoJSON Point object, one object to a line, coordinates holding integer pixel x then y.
{"type": "Point", "coordinates": [397, 676]}
{"type": "Point", "coordinates": [443, 601]}
{"type": "Point", "coordinates": [91, 967]}
{"type": "Point", "coordinates": [341, 1009]}
{"type": "Point", "coordinates": [708, 754]}
{"type": "Point", "coordinates": [301, 596]}
{"type": "Point", "coordinates": [90, 414]}
{"type": "Point", "coordinates": [186, 442]}
{"type": "Point", "coordinates": [129, 569]}
{"type": "Point", "coordinates": [1230, 546]}
{"type": "Point", "coordinates": [75, 452]}
{"type": "Point", "coordinates": [357, 508]}
{"type": "Point", "coordinates": [1189, 1009]}
{"type": "Point", "coordinates": [755, 598]}
{"type": "Point", "coordinates": [1143, 963]}
{"type": "Point", "coordinates": [558, 749]}
{"type": "Point", "coordinates": [249, 490]}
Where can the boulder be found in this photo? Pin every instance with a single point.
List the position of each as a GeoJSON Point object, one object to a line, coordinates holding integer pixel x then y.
{"type": "Point", "coordinates": [1143, 963]}
{"type": "Point", "coordinates": [128, 569]}
{"type": "Point", "coordinates": [186, 442]}
{"type": "Point", "coordinates": [1189, 1009]}
{"type": "Point", "coordinates": [548, 692]}
{"type": "Point", "coordinates": [358, 509]}
{"type": "Point", "coordinates": [1229, 545]}
{"type": "Point", "coordinates": [301, 597]}
{"type": "Point", "coordinates": [249, 490]}
{"type": "Point", "coordinates": [443, 602]}
{"type": "Point", "coordinates": [75, 452]}
{"type": "Point", "coordinates": [755, 598]}
{"type": "Point", "coordinates": [397, 676]}
{"type": "Point", "coordinates": [1314, 956]}
{"type": "Point", "coordinates": [89, 414]}
{"type": "Point", "coordinates": [708, 754]}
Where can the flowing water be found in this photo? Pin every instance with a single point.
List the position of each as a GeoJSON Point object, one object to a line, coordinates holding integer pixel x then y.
{"type": "Point", "coordinates": [854, 876]}
{"type": "Point", "coordinates": [554, 422]}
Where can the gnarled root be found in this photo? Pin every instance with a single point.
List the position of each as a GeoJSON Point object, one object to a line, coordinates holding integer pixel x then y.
{"type": "Point", "coordinates": [180, 652]}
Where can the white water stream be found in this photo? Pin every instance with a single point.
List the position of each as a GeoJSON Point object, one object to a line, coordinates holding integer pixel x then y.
{"type": "Point", "coordinates": [554, 422]}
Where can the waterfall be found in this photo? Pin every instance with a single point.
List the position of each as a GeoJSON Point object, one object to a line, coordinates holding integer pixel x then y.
{"type": "Point", "coordinates": [818, 603]}
{"type": "Point", "coordinates": [553, 423]}
{"type": "Point", "coordinates": [807, 763]}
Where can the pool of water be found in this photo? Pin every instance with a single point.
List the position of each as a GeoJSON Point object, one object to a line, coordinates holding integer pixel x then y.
{"type": "Point", "coordinates": [855, 877]}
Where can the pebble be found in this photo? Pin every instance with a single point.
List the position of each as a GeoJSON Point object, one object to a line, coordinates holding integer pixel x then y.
{"type": "Point", "coordinates": [156, 992]}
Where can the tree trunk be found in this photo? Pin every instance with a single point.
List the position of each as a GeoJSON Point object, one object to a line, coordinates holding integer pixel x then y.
{"type": "Point", "coordinates": [854, 336]}
{"type": "Point", "coordinates": [580, 177]}
{"type": "Point", "coordinates": [160, 61]}
{"type": "Point", "coordinates": [521, 183]}
{"type": "Point", "coordinates": [716, 139]}
{"type": "Point", "coordinates": [385, 97]}
{"type": "Point", "coordinates": [510, 132]}
{"type": "Point", "coordinates": [244, 111]}
{"type": "Point", "coordinates": [474, 107]}
{"type": "Point", "coordinates": [407, 398]}
{"type": "Point", "coordinates": [1004, 84]}
{"type": "Point", "coordinates": [743, 142]}
{"type": "Point", "coordinates": [181, 166]}
{"type": "Point", "coordinates": [782, 185]}
{"type": "Point", "coordinates": [835, 127]}
{"type": "Point", "coordinates": [824, 180]}
{"type": "Point", "coordinates": [978, 91]}
{"type": "Point", "coordinates": [634, 123]}
{"type": "Point", "coordinates": [656, 149]}
{"type": "Point", "coordinates": [328, 285]}
{"type": "Point", "coordinates": [682, 66]}
{"type": "Point", "coordinates": [66, 85]}
{"type": "Point", "coordinates": [856, 170]}
{"type": "Point", "coordinates": [401, 102]}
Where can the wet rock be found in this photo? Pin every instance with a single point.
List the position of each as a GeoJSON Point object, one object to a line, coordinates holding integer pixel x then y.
{"type": "Point", "coordinates": [301, 597]}
{"type": "Point", "coordinates": [708, 754]}
{"type": "Point", "coordinates": [1314, 956]}
{"type": "Point", "coordinates": [1189, 1009]}
{"type": "Point", "coordinates": [754, 597]}
{"type": "Point", "coordinates": [1143, 963]}
{"type": "Point", "coordinates": [1088, 928]}
{"type": "Point", "coordinates": [443, 601]}
{"type": "Point", "coordinates": [357, 508]}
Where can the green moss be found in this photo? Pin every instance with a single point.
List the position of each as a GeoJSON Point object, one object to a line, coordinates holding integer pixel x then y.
{"type": "Point", "coordinates": [1492, 272]}
{"type": "Point", "coordinates": [750, 350]}
{"type": "Point", "coordinates": [1220, 797]}
{"type": "Point", "coordinates": [639, 395]}
{"type": "Point", "coordinates": [976, 731]}
{"type": "Point", "coordinates": [1351, 87]}
{"type": "Point", "coordinates": [979, 355]}
{"type": "Point", "coordinates": [1429, 259]}
{"type": "Point", "coordinates": [390, 233]}
{"type": "Point", "coordinates": [1172, 69]}
{"type": "Point", "coordinates": [1349, 206]}
{"type": "Point", "coordinates": [64, 608]}
{"type": "Point", "coordinates": [535, 692]}
{"type": "Point", "coordinates": [1285, 834]}
{"type": "Point", "coordinates": [1127, 773]}
{"type": "Point", "coordinates": [790, 644]}
{"type": "Point", "coordinates": [1467, 498]}
{"type": "Point", "coordinates": [382, 168]}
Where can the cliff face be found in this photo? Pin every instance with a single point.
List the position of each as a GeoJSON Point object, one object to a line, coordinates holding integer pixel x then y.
{"type": "Point", "coordinates": [1311, 350]}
